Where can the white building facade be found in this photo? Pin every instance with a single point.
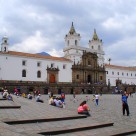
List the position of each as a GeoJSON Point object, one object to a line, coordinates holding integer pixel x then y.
{"type": "Point", "coordinates": [124, 75]}
{"type": "Point", "coordinates": [32, 67]}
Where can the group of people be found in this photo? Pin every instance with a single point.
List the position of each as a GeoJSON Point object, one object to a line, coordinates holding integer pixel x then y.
{"type": "Point", "coordinates": [30, 97]}
{"type": "Point", "coordinates": [57, 101]}
{"type": "Point", "coordinates": [60, 101]}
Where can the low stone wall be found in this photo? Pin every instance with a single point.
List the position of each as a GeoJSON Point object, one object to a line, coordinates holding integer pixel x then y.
{"type": "Point", "coordinates": [68, 88]}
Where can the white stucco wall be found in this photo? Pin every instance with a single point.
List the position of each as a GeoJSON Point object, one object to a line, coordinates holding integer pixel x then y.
{"type": "Point", "coordinates": [11, 68]}
{"type": "Point", "coordinates": [128, 79]}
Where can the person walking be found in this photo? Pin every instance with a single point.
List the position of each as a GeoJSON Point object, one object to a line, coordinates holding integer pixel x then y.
{"type": "Point", "coordinates": [125, 106]}
{"type": "Point", "coordinates": [63, 97]}
{"type": "Point", "coordinates": [74, 96]}
{"type": "Point", "coordinates": [96, 99]}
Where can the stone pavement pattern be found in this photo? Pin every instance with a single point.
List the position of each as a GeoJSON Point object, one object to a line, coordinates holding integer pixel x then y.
{"type": "Point", "coordinates": [109, 110]}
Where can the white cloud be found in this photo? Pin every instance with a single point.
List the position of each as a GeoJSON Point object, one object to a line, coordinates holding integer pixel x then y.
{"type": "Point", "coordinates": [57, 53]}
{"type": "Point", "coordinates": [33, 44]}
{"type": "Point", "coordinates": [112, 23]}
{"type": "Point", "coordinates": [36, 26]}
{"type": "Point", "coordinates": [122, 52]}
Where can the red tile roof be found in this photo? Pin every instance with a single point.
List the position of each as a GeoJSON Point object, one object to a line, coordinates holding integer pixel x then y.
{"type": "Point", "coordinates": [120, 67]}
{"type": "Point", "coordinates": [34, 55]}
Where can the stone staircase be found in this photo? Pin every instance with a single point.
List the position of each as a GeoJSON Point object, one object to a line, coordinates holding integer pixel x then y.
{"type": "Point", "coordinates": [72, 125]}
{"type": "Point", "coordinates": [41, 119]}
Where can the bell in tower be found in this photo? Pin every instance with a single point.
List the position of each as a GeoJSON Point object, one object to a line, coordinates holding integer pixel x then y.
{"type": "Point", "coordinates": [4, 44]}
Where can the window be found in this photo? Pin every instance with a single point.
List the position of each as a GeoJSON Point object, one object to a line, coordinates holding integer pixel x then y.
{"type": "Point", "coordinates": [127, 74]}
{"type": "Point", "coordinates": [92, 47]}
{"type": "Point", "coordinates": [117, 73]}
{"type": "Point", "coordinates": [75, 42]}
{"type": "Point", "coordinates": [89, 62]}
{"type": "Point", "coordinates": [99, 47]}
{"type": "Point", "coordinates": [5, 41]}
{"type": "Point", "coordinates": [122, 74]}
{"type": "Point", "coordinates": [24, 62]}
{"type": "Point", "coordinates": [77, 76]}
{"type": "Point", "coordinates": [52, 65]}
{"type": "Point", "coordinates": [38, 64]}
{"type": "Point", "coordinates": [5, 49]}
{"type": "Point", "coordinates": [68, 42]}
{"type": "Point", "coordinates": [23, 73]}
{"type": "Point", "coordinates": [107, 72]}
{"type": "Point", "coordinates": [112, 73]}
{"type": "Point", "coordinates": [39, 74]}
{"type": "Point", "coordinates": [131, 74]}
{"type": "Point", "coordinates": [101, 77]}
{"type": "Point", "coordinates": [135, 74]}
{"type": "Point", "coordinates": [64, 66]}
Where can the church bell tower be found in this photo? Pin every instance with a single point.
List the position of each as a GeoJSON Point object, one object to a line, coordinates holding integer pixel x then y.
{"type": "Point", "coordinates": [4, 44]}
{"type": "Point", "coordinates": [72, 45]}
{"type": "Point", "coordinates": [96, 45]}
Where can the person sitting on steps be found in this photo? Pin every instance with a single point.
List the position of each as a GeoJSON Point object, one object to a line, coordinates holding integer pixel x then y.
{"type": "Point", "coordinates": [38, 98]}
{"type": "Point", "coordinates": [83, 109]}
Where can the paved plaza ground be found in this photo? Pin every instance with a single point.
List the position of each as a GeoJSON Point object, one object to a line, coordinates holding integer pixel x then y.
{"type": "Point", "coordinates": [109, 110]}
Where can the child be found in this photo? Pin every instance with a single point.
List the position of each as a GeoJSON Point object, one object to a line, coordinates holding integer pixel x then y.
{"type": "Point", "coordinates": [9, 97]}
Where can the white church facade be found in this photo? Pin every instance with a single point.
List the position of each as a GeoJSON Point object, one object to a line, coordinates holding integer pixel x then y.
{"type": "Point", "coordinates": [20, 66]}
{"type": "Point", "coordinates": [32, 67]}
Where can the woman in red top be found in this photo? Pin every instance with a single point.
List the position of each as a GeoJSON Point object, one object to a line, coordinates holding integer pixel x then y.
{"type": "Point", "coordinates": [83, 109]}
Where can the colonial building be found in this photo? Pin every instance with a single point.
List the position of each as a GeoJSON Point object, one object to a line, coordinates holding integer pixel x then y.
{"type": "Point", "coordinates": [19, 66]}
{"type": "Point", "coordinates": [120, 75]}
{"type": "Point", "coordinates": [79, 64]}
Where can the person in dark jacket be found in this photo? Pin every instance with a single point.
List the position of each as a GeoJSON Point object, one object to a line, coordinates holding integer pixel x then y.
{"type": "Point", "coordinates": [125, 106]}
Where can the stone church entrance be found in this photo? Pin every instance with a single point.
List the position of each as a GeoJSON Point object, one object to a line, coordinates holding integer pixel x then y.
{"type": "Point", "coordinates": [89, 79]}
{"type": "Point", "coordinates": [52, 75]}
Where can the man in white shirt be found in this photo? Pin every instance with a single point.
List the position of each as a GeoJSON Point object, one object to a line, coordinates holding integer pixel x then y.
{"type": "Point", "coordinates": [97, 99]}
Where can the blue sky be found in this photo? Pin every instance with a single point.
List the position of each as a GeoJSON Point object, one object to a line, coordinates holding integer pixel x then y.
{"type": "Point", "coordinates": [40, 25]}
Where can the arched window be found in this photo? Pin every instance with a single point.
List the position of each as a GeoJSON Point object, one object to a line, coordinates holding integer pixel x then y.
{"type": "Point", "coordinates": [99, 47]}
{"type": "Point", "coordinates": [75, 42]}
{"type": "Point", "coordinates": [68, 42]}
{"type": "Point", "coordinates": [89, 62]}
{"type": "Point", "coordinates": [38, 74]}
{"type": "Point", "coordinates": [4, 49]}
{"type": "Point", "coordinates": [77, 76]}
{"type": "Point", "coordinates": [23, 73]}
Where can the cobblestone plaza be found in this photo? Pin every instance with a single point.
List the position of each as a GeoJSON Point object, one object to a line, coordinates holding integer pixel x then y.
{"type": "Point", "coordinates": [108, 111]}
